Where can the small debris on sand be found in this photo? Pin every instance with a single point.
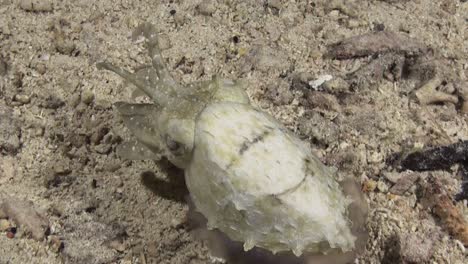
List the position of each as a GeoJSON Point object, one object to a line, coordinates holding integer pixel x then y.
{"type": "Point", "coordinates": [415, 248]}
{"type": "Point", "coordinates": [375, 43]}
{"type": "Point", "coordinates": [441, 158]}
{"type": "Point", "coordinates": [36, 5]}
{"type": "Point", "coordinates": [10, 131]}
{"type": "Point", "coordinates": [436, 198]}
{"type": "Point", "coordinates": [428, 93]}
{"type": "Point", "coordinates": [4, 225]}
{"type": "Point", "coordinates": [436, 158]}
{"type": "Point", "coordinates": [24, 215]}
{"type": "Point", "coordinates": [464, 95]}
{"type": "Point", "coordinates": [56, 244]}
{"type": "Point", "coordinates": [404, 183]}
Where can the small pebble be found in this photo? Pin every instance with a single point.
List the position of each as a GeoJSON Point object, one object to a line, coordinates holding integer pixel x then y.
{"type": "Point", "coordinates": [416, 247]}
{"type": "Point", "coordinates": [279, 92]}
{"type": "Point", "coordinates": [3, 67]}
{"type": "Point", "coordinates": [36, 5]}
{"type": "Point", "coordinates": [393, 177]}
{"type": "Point", "coordinates": [10, 234]}
{"type": "Point", "coordinates": [353, 23]}
{"type": "Point", "coordinates": [98, 134]}
{"type": "Point", "coordinates": [404, 183]}
{"type": "Point", "coordinates": [206, 7]}
{"type": "Point", "coordinates": [177, 222]}
{"type": "Point", "coordinates": [379, 27]}
{"type": "Point", "coordinates": [429, 93]}
{"type": "Point", "coordinates": [9, 131]}
{"type": "Point", "coordinates": [57, 209]}
{"type": "Point", "coordinates": [463, 91]}
{"type": "Point", "coordinates": [112, 167]}
{"type": "Point", "coordinates": [369, 186]}
{"type": "Point", "coordinates": [78, 140]}
{"type": "Point", "coordinates": [56, 244]}
{"type": "Point", "coordinates": [87, 96]}
{"type": "Point", "coordinates": [460, 246]}
{"type": "Point", "coordinates": [153, 249]}
{"type": "Point", "coordinates": [4, 225]}
{"type": "Point", "coordinates": [22, 98]}
{"type": "Point", "coordinates": [382, 187]}
{"type": "Point", "coordinates": [61, 169]}
{"type": "Point", "coordinates": [319, 128]}
{"type": "Point", "coordinates": [18, 79]}
{"type": "Point", "coordinates": [102, 104]}
{"type": "Point", "coordinates": [117, 244]}
{"type": "Point", "coordinates": [274, 4]}
{"type": "Point", "coordinates": [52, 102]}
{"type": "Point", "coordinates": [39, 131]}
{"type": "Point", "coordinates": [265, 59]}
{"type": "Point", "coordinates": [41, 68]}
{"type": "Point", "coordinates": [336, 85]}
{"type": "Point", "coordinates": [315, 53]}
{"type": "Point", "coordinates": [164, 42]}
{"type": "Point", "coordinates": [103, 148]}
{"type": "Point", "coordinates": [323, 101]}
{"type": "Point", "coordinates": [75, 100]}
{"type": "Point", "coordinates": [315, 84]}
{"type": "Point", "coordinates": [63, 45]}
{"type": "Point", "coordinates": [26, 217]}
{"type": "Point", "coordinates": [300, 81]}
{"type": "Point", "coordinates": [179, 18]}
{"type": "Point", "coordinates": [334, 14]}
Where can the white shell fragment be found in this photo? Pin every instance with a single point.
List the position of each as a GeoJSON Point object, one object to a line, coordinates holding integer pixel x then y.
{"type": "Point", "coordinates": [315, 84]}
{"type": "Point", "coordinates": [247, 174]}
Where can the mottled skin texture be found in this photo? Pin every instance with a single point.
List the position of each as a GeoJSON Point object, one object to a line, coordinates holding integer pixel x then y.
{"type": "Point", "coordinates": [246, 173]}
{"type": "Point", "coordinates": [266, 188]}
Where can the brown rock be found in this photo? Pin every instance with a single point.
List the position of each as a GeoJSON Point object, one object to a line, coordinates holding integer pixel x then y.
{"type": "Point", "coordinates": [404, 183]}
{"type": "Point", "coordinates": [436, 197]}
{"type": "Point", "coordinates": [10, 234]}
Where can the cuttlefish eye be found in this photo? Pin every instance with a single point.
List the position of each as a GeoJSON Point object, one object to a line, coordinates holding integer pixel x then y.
{"type": "Point", "coordinates": [173, 146]}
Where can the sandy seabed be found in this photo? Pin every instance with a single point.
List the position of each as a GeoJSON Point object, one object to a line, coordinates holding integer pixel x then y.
{"type": "Point", "coordinates": [59, 132]}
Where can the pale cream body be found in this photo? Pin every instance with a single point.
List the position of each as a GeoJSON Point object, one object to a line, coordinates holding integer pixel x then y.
{"type": "Point", "coordinates": [247, 174]}
{"type": "Point", "coordinates": [258, 183]}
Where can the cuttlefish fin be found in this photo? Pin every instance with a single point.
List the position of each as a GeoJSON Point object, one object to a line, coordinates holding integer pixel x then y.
{"type": "Point", "coordinates": [135, 150]}
{"type": "Point", "coordinates": [139, 119]}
